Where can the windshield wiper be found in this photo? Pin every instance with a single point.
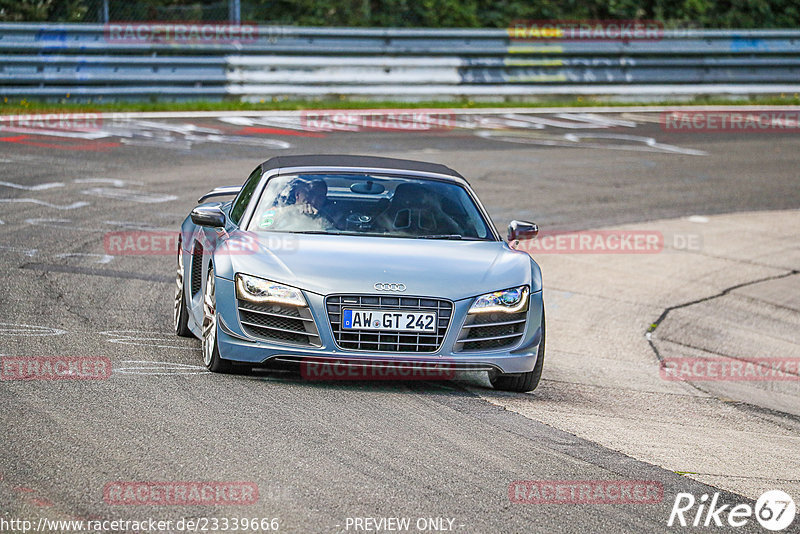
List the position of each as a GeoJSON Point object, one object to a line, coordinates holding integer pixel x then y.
{"type": "Point", "coordinates": [317, 232]}
{"type": "Point", "coordinates": [440, 236]}
{"type": "Point", "coordinates": [373, 234]}
{"type": "Point", "coordinates": [330, 232]}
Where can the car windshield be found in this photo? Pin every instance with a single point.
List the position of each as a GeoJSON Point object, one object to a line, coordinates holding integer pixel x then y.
{"type": "Point", "coordinates": [360, 204]}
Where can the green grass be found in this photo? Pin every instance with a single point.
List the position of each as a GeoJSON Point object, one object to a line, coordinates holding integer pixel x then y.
{"type": "Point", "coordinates": [9, 106]}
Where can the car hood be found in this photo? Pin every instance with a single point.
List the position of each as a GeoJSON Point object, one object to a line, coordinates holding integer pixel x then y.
{"type": "Point", "coordinates": [323, 264]}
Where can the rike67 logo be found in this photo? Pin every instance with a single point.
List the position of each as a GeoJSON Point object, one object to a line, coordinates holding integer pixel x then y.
{"type": "Point", "coordinates": [774, 510]}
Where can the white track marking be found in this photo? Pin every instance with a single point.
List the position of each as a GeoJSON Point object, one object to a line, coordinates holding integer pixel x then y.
{"type": "Point", "coordinates": [647, 144]}
{"type": "Point", "coordinates": [47, 222]}
{"type": "Point", "coordinates": [294, 123]}
{"type": "Point", "coordinates": [240, 140]}
{"type": "Point", "coordinates": [131, 130]}
{"type": "Point", "coordinates": [238, 121]}
{"type": "Point", "coordinates": [112, 181]}
{"type": "Point", "coordinates": [172, 143]}
{"type": "Point", "coordinates": [132, 225]}
{"type": "Point", "coordinates": [698, 219]}
{"type": "Point", "coordinates": [144, 339]}
{"type": "Point", "coordinates": [597, 119]}
{"type": "Point", "coordinates": [30, 252]}
{"type": "Point", "coordinates": [145, 367]}
{"type": "Point", "coordinates": [647, 141]}
{"type": "Point", "coordinates": [654, 118]}
{"type": "Point", "coordinates": [569, 121]}
{"type": "Point", "coordinates": [90, 135]}
{"type": "Point", "coordinates": [38, 187]}
{"type": "Point", "coordinates": [60, 223]}
{"type": "Point", "coordinates": [74, 205]}
{"type": "Point", "coordinates": [28, 330]}
{"type": "Point", "coordinates": [102, 258]}
{"type": "Point", "coordinates": [183, 128]}
{"type": "Point", "coordinates": [503, 122]}
{"type": "Point", "coordinates": [141, 197]}
{"type": "Point", "coordinates": [67, 224]}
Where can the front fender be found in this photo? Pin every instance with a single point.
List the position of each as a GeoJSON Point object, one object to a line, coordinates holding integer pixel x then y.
{"type": "Point", "coordinates": [536, 277]}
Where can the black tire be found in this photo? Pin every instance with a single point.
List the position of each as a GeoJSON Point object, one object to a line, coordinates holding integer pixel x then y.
{"type": "Point", "coordinates": [211, 358]}
{"type": "Point", "coordinates": [218, 365]}
{"type": "Point", "coordinates": [522, 382]}
{"type": "Point", "coordinates": [180, 312]}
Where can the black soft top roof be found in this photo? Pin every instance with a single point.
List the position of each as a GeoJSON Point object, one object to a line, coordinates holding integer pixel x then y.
{"type": "Point", "coordinates": [344, 160]}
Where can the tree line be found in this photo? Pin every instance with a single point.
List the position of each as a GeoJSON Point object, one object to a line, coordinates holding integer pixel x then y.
{"type": "Point", "coordinates": [417, 13]}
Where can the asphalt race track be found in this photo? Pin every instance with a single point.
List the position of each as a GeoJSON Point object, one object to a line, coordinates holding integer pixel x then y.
{"type": "Point", "coordinates": [324, 453]}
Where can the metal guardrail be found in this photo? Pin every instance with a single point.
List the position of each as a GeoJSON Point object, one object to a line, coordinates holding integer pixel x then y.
{"type": "Point", "coordinates": [83, 60]}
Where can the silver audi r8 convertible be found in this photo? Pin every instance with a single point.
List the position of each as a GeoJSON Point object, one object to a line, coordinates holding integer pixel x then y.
{"type": "Point", "coordinates": [354, 261]}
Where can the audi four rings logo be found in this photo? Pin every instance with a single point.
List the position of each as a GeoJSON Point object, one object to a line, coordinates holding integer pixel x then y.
{"type": "Point", "coordinates": [389, 287]}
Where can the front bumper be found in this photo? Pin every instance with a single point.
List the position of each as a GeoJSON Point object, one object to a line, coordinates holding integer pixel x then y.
{"type": "Point", "coordinates": [236, 345]}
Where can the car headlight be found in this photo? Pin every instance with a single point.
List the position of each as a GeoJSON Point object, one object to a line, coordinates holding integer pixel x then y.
{"type": "Point", "coordinates": [508, 301]}
{"type": "Point", "coordinates": [255, 289]}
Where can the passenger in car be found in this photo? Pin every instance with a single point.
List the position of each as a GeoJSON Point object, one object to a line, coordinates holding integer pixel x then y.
{"type": "Point", "coordinates": [416, 209]}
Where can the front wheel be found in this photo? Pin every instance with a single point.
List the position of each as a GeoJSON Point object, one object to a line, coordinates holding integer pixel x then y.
{"type": "Point", "coordinates": [522, 382]}
{"type": "Point", "coordinates": [211, 356]}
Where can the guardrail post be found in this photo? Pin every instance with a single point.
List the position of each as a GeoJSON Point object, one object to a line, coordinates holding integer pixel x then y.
{"type": "Point", "coordinates": [235, 11]}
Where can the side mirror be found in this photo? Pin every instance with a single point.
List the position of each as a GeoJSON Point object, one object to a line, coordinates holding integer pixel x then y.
{"type": "Point", "coordinates": [208, 216]}
{"type": "Point", "coordinates": [522, 230]}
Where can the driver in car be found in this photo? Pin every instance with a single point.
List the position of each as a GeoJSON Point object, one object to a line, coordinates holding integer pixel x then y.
{"type": "Point", "coordinates": [303, 206]}
{"type": "Point", "coordinates": [311, 197]}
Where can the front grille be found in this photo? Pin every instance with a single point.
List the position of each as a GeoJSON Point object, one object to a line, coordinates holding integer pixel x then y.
{"type": "Point", "coordinates": [197, 267]}
{"type": "Point", "coordinates": [273, 322]}
{"type": "Point", "coordinates": [491, 331]}
{"type": "Point", "coordinates": [388, 341]}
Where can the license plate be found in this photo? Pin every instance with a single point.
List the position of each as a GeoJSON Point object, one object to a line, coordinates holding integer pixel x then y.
{"type": "Point", "coordinates": [396, 321]}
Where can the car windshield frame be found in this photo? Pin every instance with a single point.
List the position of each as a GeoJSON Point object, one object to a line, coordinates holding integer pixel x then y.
{"type": "Point", "coordinates": [479, 216]}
